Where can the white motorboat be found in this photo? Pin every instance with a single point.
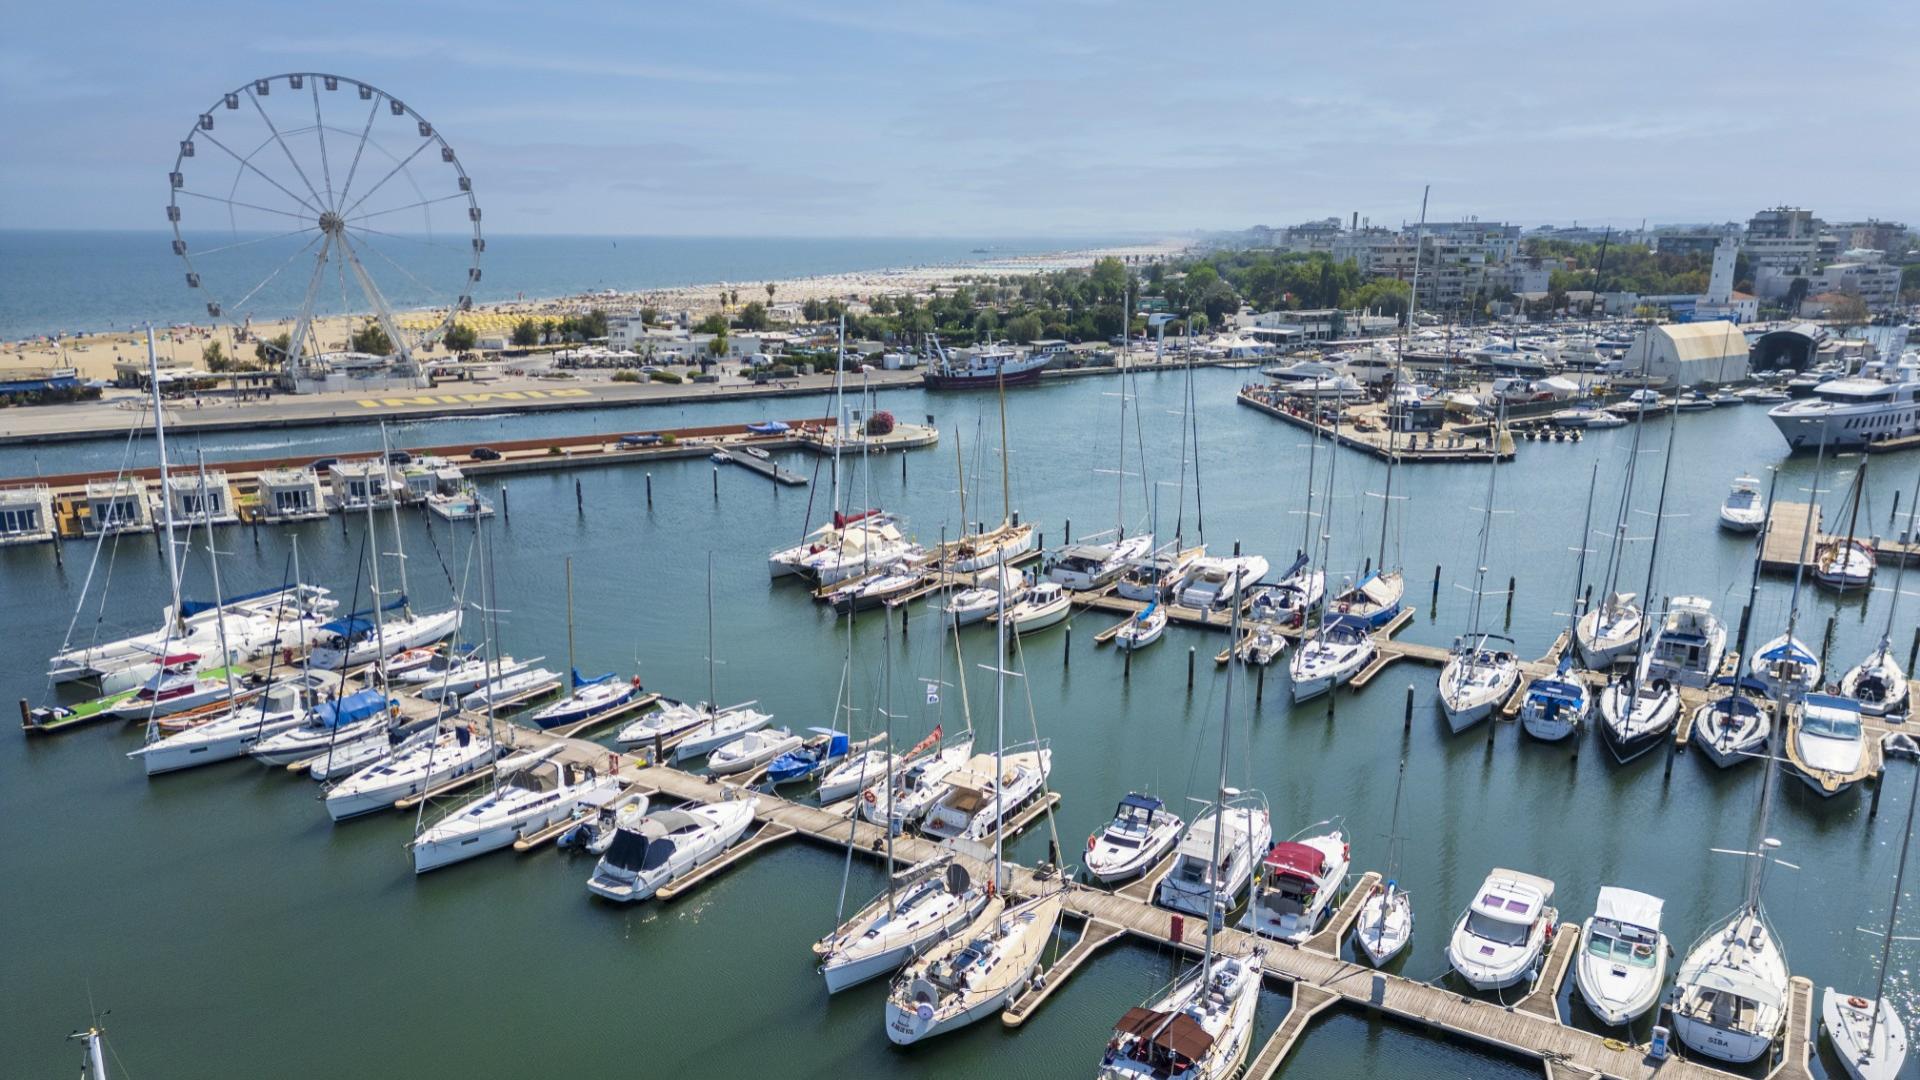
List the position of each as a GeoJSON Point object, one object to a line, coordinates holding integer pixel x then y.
{"type": "Point", "coordinates": [1829, 743]}
{"type": "Point", "coordinates": [1142, 830]}
{"type": "Point", "coordinates": [1556, 708]}
{"type": "Point", "coordinates": [395, 668]}
{"type": "Point", "coordinates": [1217, 582]}
{"type": "Point", "coordinates": [1785, 658]}
{"type": "Point", "coordinates": [1850, 412]}
{"type": "Point", "coordinates": [973, 974]}
{"type": "Point", "coordinates": [1143, 629]}
{"type": "Point", "coordinates": [1262, 644]}
{"type": "Point", "coordinates": [1200, 1030]}
{"type": "Point", "coordinates": [924, 907]}
{"type": "Point", "coordinates": [1733, 727]}
{"type": "Point", "coordinates": [512, 688]}
{"type": "Point", "coordinates": [1743, 511]}
{"type": "Point", "coordinates": [752, 750]}
{"type": "Point", "coordinates": [354, 640]}
{"type": "Point", "coordinates": [1604, 419]}
{"type": "Point", "coordinates": [1610, 632]}
{"type": "Point", "coordinates": [534, 792]}
{"type": "Point", "coordinates": [333, 723]}
{"type": "Point", "coordinates": [1297, 884]}
{"type": "Point", "coordinates": [1729, 997]}
{"type": "Point", "coordinates": [228, 736]}
{"type": "Point", "coordinates": [1045, 605]}
{"type": "Point", "coordinates": [1499, 940]}
{"type": "Point", "coordinates": [450, 753]}
{"type": "Point", "coordinates": [1342, 649]}
{"type": "Point", "coordinates": [1688, 647]}
{"type": "Point", "coordinates": [1622, 962]}
{"type": "Point", "coordinates": [1479, 675]}
{"type": "Point", "coordinates": [1086, 567]}
{"type": "Point", "coordinates": [1577, 416]}
{"type": "Point", "coordinates": [1197, 885]}
{"type": "Point", "coordinates": [977, 798]}
{"type": "Point", "coordinates": [1636, 713]}
{"type": "Point", "coordinates": [903, 803]}
{"type": "Point", "coordinates": [717, 729]}
{"type": "Point", "coordinates": [667, 845]}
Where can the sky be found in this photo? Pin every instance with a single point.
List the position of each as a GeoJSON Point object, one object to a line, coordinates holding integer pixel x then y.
{"type": "Point", "coordinates": [1020, 118]}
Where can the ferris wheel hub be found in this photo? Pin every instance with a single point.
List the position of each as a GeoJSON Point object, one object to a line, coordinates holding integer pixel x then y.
{"type": "Point", "coordinates": [332, 224]}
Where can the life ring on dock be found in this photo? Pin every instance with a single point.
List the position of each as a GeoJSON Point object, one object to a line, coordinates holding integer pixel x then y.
{"type": "Point", "coordinates": [870, 797]}
{"type": "Point", "coordinates": [1857, 1002]}
{"type": "Point", "coordinates": [991, 887]}
{"type": "Point", "coordinates": [636, 682]}
{"type": "Point", "coordinates": [1091, 841]}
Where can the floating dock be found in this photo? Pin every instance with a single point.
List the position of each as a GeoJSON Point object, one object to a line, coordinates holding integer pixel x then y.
{"type": "Point", "coordinates": [1787, 525]}
{"type": "Point", "coordinates": [1453, 444]}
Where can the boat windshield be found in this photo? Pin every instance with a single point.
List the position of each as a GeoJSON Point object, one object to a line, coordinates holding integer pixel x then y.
{"type": "Point", "coordinates": [1496, 930]}
{"type": "Point", "coordinates": [628, 850]}
{"type": "Point", "coordinates": [1831, 725]}
{"type": "Point", "coordinates": [657, 853]}
{"type": "Point", "coordinates": [1615, 950]}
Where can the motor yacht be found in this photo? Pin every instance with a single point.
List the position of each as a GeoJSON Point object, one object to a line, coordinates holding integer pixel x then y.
{"type": "Point", "coordinates": [667, 845]}
{"type": "Point", "coordinates": [1499, 940]}
{"type": "Point", "coordinates": [1142, 830]}
{"type": "Point", "coordinates": [1622, 962]}
{"type": "Point", "coordinates": [1195, 885]}
{"type": "Point", "coordinates": [1297, 885]}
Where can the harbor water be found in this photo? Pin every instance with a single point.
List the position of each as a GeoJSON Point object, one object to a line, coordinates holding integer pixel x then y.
{"type": "Point", "coordinates": [228, 924]}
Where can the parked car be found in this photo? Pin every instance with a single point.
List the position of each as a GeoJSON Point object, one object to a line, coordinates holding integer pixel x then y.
{"type": "Point", "coordinates": [399, 457]}
{"type": "Point", "coordinates": [324, 464]}
{"type": "Point", "coordinates": [484, 453]}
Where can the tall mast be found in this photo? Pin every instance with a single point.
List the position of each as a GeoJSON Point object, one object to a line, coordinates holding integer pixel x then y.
{"type": "Point", "coordinates": [999, 725]}
{"type": "Point", "coordinates": [713, 696]}
{"type": "Point", "coordinates": [1653, 557]}
{"type": "Point", "coordinates": [1386, 496]}
{"type": "Point", "coordinates": [1393, 843]}
{"type": "Point", "coordinates": [1899, 575]}
{"type": "Point", "coordinates": [1419, 246]}
{"type": "Point", "coordinates": [399, 544]}
{"type": "Point", "coordinates": [573, 671]}
{"type": "Point", "coordinates": [1580, 570]}
{"type": "Point", "coordinates": [886, 714]}
{"type": "Point", "coordinates": [1306, 528]}
{"type": "Point", "coordinates": [1759, 552]}
{"type": "Point", "coordinates": [379, 599]}
{"type": "Point", "coordinates": [1486, 529]}
{"type": "Point", "coordinates": [1615, 554]}
{"type": "Point", "coordinates": [839, 411]}
{"type": "Point", "coordinates": [1220, 805]}
{"type": "Point", "coordinates": [1006, 487]}
{"type": "Point", "coordinates": [1853, 515]}
{"type": "Point", "coordinates": [219, 596]}
{"type": "Point", "coordinates": [166, 495]}
{"type": "Point", "coordinates": [1893, 914]}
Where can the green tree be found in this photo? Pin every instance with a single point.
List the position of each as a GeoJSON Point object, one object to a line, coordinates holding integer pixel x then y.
{"type": "Point", "coordinates": [460, 338]}
{"type": "Point", "coordinates": [371, 338]}
{"type": "Point", "coordinates": [715, 323]}
{"type": "Point", "coordinates": [273, 351]}
{"type": "Point", "coordinates": [526, 333]}
{"type": "Point", "coordinates": [1024, 328]}
{"type": "Point", "coordinates": [771, 286]}
{"type": "Point", "coordinates": [718, 346]}
{"type": "Point", "coordinates": [215, 357]}
{"type": "Point", "coordinates": [753, 317]}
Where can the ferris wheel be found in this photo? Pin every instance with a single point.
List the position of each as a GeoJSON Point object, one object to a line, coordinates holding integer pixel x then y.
{"type": "Point", "coordinates": [330, 203]}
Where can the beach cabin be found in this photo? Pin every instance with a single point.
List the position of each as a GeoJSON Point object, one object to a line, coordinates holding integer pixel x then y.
{"type": "Point", "coordinates": [26, 515]}
{"type": "Point", "coordinates": [199, 499]}
{"type": "Point", "coordinates": [291, 495]}
{"type": "Point", "coordinates": [117, 506]}
{"type": "Point", "coordinates": [359, 484]}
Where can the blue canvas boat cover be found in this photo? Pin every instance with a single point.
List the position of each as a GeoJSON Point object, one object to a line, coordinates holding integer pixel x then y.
{"type": "Point", "coordinates": [357, 623]}
{"type": "Point", "coordinates": [767, 427]}
{"type": "Point", "coordinates": [356, 706]}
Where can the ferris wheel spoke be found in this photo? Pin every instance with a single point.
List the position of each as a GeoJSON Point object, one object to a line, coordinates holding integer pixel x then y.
{"type": "Point", "coordinates": [395, 171]}
{"type": "Point", "coordinates": [409, 206]}
{"type": "Point", "coordinates": [359, 149]}
{"type": "Point", "coordinates": [381, 310]}
{"type": "Point", "coordinates": [284, 148]}
{"type": "Point", "coordinates": [268, 280]}
{"type": "Point", "coordinates": [256, 240]}
{"type": "Point", "coordinates": [320, 128]}
{"type": "Point", "coordinates": [231, 203]}
{"type": "Point", "coordinates": [428, 242]}
{"type": "Point", "coordinates": [403, 270]}
{"type": "Point", "coordinates": [303, 326]}
{"type": "Point", "coordinates": [255, 169]}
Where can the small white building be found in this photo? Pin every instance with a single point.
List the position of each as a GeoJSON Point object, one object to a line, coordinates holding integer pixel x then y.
{"type": "Point", "coordinates": [117, 506]}
{"type": "Point", "coordinates": [26, 515]}
{"type": "Point", "coordinates": [199, 499]}
{"type": "Point", "coordinates": [1688, 354]}
{"type": "Point", "coordinates": [356, 485]}
{"type": "Point", "coordinates": [292, 495]}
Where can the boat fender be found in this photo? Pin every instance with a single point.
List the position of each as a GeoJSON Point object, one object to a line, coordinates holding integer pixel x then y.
{"type": "Point", "coordinates": [870, 798]}
{"type": "Point", "coordinates": [1091, 841]}
{"type": "Point", "coordinates": [1857, 1002]}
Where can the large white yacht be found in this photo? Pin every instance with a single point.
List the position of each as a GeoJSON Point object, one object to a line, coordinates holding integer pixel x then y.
{"type": "Point", "coordinates": [1881, 402]}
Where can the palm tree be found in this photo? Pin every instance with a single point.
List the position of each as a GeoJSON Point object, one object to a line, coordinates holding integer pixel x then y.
{"type": "Point", "coordinates": [770, 287]}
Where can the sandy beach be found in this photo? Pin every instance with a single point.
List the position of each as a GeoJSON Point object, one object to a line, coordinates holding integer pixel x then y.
{"type": "Point", "coordinates": [94, 354]}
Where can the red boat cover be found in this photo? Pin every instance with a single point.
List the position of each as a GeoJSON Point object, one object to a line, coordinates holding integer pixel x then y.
{"type": "Point", "coordinates": [1298, 860]}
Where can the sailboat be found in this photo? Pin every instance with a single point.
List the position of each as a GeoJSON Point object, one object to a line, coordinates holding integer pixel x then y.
{"type": "Point", "coordinates": [534, 790]}
{"type": "Point", "coordinates": [1613, 628]}
{"type": "Point", "coordinates": [972, 974]}
{"type": "Point", "coordinates": [1202, 1027]}
{"type": "Point", "coordinates": [921, 907]}
{"type": "Point", "coordinates": [699, 728]}
{"type": "Point", "coordinates": [1637, 711]}
{"type": "Point", "coordinates": [1786, 659]}
{"type": "Point", "coordinates": [1868, 1036]}
{"type": "Point", "coordinates": [1729, 997]}
{"type": "Point", "coordinates": [1734, 724]}
{"type": "Point", "coordinates": [1878, 683]}
{"type": "Point", "coordinates": [1338, 645]}
{"type": "Point", "coordinates": [1481, 670]}
{"type": "Point", "coordinates": [1555, 708]}
{"type": "Point", "coordinates": [1378, 595]}
{"type": "Point", "coordinates": [1385, 923]}
{"type": "Point", "coordinates": [1847, 564]}
{"type": "Point", "coordinates": [589, 697]}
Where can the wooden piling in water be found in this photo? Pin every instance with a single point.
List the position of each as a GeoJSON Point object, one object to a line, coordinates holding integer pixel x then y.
{"type": "Point", "coordinates": [1066, 648]}
{"type": "Point", "coordinates": [649, 491]}
{"type": "Point", "coordinates": [1826, 643]}
{"type": "Point", "coordinates": [1190, 667]}
{"type": "Point", "coordinates": [1873, 808]}
{"type": "Point", "coordinates": [1433, 605]}
{"type": "Point", "coordinates": [716, 483]}
{"type": "Point", "coordinates": [1406, 726]}
{"type": "Point", "coordinates": [506, 512]}
{"type": "Point", "coordinates": [1510, 582]}
{"type": "Point", "coordinates": [579, 500]}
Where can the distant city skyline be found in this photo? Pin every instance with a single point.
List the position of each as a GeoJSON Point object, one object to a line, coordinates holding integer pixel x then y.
{"type": "Point", "coordinates": [1084, 118]}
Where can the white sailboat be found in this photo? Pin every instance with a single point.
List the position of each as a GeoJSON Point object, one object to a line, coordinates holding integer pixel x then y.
{"type": "Point", "coordinates": [447, 754]}
{"type": "Point", "coordinates": [974, 973]}
{"type": "Point", "coordinates": [1143, 629]}
{"type": "Point", "coordinates": [1847, 564]}
{"type": "Point", "coordinates": [365, 714]}
{"type": "Point", "coordinates": [1338, 646]}
{"type": "Point", "coordinates": [1385, 923]}
{"type": "Point", "coordinates": [1878, 683]}
{"type": "Point", "coordinates": [1733, 725]}
{"type": "Point", "coordinates": [1612, 630]}
{"type": "Point", "coordinates": [1481, 671]}
{"type": "Point", "coordinates": [923, 906]}
{"type": "Point", "coordinates": [281, 706]}
{"type": "Point", "coordinates": [1869, 1036]}
{"type": "Point", "coordinates": [1556, 708]}
{"type": "Point", "coordinates": [1637, 711]}
{"type": "Point", "coordinates": [533, 792]}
